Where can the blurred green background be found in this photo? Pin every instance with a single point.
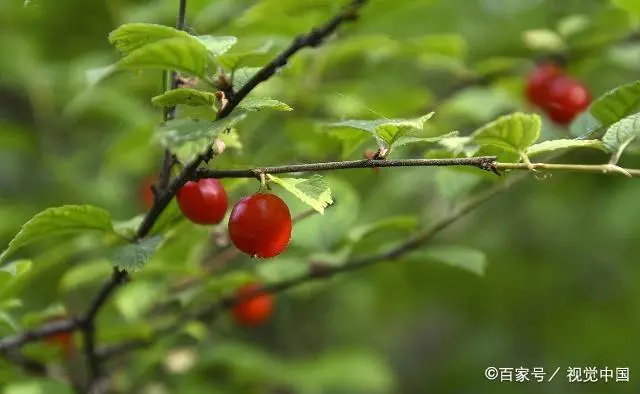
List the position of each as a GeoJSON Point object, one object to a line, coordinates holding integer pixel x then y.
{"type": "Point", "coordinates": [561, 253]}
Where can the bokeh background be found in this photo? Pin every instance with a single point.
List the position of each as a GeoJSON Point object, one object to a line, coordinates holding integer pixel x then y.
{"type": "Point", "coordinates": [548, 271]}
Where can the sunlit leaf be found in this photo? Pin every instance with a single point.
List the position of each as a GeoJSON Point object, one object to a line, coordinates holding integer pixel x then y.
{"type": "Point", "coordinates": [552, 145]}
{"type": "Point", "coordinates": [218, 45]}
{"type": "Point", "coordinates": [184, 96]}
{"type": "Point", "coordinates": [184, 55]}
{"type": "Point", "coordinates": [617, 103]}
{"type": "Point", "coordinates": [175, 133]}
{"type": "Point", "coordinates": [58, 221]}
{"type": "Point", "coordinates": [515, 132]}
{"type": "Point", "coordinates": [131, 36]}
{"type": "Point", "coordinates": [313, 191]}
{"type": "Point", "coordinates": [259, 103]}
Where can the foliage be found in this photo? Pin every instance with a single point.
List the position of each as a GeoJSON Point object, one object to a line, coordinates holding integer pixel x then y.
{"type": "Point", "coordinates": [541, 278]}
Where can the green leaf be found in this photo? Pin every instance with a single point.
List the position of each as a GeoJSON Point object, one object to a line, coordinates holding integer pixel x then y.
{"type": "Point", "coordinates": [37, 386]}
{"type": "Point", "coordinates": [544, 40]}
{"type": "Point", "coordinates": [131, 36]}
{"type": "Point", "coordinates": [515, 132]}
{"type": "Point", "coordinates": [177, 132]}
{"type": "Point", "coordinates": [549, 146]}
{"type": "Point", "coordinates": [179, 54]}
{"type": "Point", "coordinates": [218, 46]}
{"type": "Point", "coordinates": [242, 75]}
{"type": "Point", "coordinates": [621, 132]}
{"type": "Point", "coordinates": [137, 298]}
{"type": "Point", "coordinates": [313, 191]}
{"type": "Point", "coordinates": [9, 321]}
{"type": "Point", "coordinates": [616, 104]}
{"type": "Point", "coordinates": [89, 273]}
{"type": "Point", "coordinates": [408, 223]}
{"type": "Point", "coordinates": [471, 260]}
{"type": "Point", "coordinates": [631, 6]}
{"type": "Point", "coordinates": [230, 61]}
{"type": "Point", "coordinates": [134, 256]}
{"type": "Point", "coordinates": [184, 96]}
{"type": "Point", "coordinates": [58, 221]}
{"type": "Point", "coordinates": [259, 103]}
{"type": "Point", "coordinates": [413, 139]}
{"type": "Point", "coordinates": [386, 131]}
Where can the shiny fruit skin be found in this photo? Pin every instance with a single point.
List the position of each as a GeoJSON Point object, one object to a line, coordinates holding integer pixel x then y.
{"type": "Point", "coordinates": [567, 98]}
{"type": "Point", "coordinates": [254, 310]}
{"type": "Point", "coordinates": [539, 81]}
{"type": "Point", "coordinates": [260, 225]}
{"type": "Point", "coordinates": [204, 201]}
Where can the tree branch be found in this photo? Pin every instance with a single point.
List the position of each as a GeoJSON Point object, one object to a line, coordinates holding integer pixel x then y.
{"type": "Point", "coordinates": [589, 168]}
{"type": "Point", "coordinates": [483, 162]}
{"type": "Point", "coordinates": [318, 270]}
{"type": "Point", "coordinates": [312, 39]}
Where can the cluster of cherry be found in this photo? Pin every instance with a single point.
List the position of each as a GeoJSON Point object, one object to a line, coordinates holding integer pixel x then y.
{"type": "Point", "coordinates": [560, 96]}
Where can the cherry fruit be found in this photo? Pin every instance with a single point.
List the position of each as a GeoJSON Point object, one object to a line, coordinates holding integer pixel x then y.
{"type": "Point", "coordinates": [255, 306]}
{"type": "Point", "coordinates": [260, 225]}
{"type": "Point", "coordinates": [203, 202]}
{"type": "Point", "coordinates": [566, 99]}
{"type": "Point", "coordinates": [539, 81]}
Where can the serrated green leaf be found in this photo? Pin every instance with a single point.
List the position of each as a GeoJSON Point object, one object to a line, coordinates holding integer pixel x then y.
{"type": "Point", "coordinates": [175, 133]}
{"type": "Point", "coordinates": [133, 257]}
{"type": "Point", "coordinates": [621, 132]}
{"type": "Point", "coordinates": [135, 299]}
{"type": "Point", "coordinates": [468, 259]}
{"type": "Point", "coordinates": [386, 131]}
{"type": "Point", "coordinates": [218, 45]}
{"type": "Point", "coordinates": [186, 55]}
{"type": "Point", "coordinates": [259, 103]}
{"type": "Point", "coordinates": [230, 61]}
{"type": "Point", "coordinates": [313, 191]}
{"type": "Point", "coordinates": [514, 132]}
{"type": "Point", "coordinates": [242, 75]}
{"type": "Point", "coordinates": [407, 223]}
{"type": "Point", "coordinates": [131, 36]}
{"type": "Point", "coordinates": [184, 96]}
{"type": "Point", "coordinates": [58, 221]}
{"type": "Point", "coordinates": [616, 104]}
{"type": "Point", "coordinates": [552, 145]}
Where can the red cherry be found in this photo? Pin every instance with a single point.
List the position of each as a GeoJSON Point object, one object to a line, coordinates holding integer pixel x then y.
{"type": "Point", "coordinates": [204, 201]}
{"type": "Point", "coordinates": [260, 225]}
{"type": "Point", "coordinates": [145, 194]}
{"type": "Point", "coordinates": [538, 82]}
{"type": "Point", "coordinates": [255, 309]}
{"type": "Point", "coordinates": [567, 98]}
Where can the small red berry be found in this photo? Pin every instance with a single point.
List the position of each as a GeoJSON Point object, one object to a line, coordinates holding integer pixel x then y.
{"type": "Point", "coordinates": [63, 340]}
{"type": "Point", "coordinates": [204, 201]}
{"type": "Point", "coordinates": [260, 225]}
{"type": "Point", "coordinates": [255, 309]}
{"type": "Point", "coordinates": [145, 194]}
{"type": "Point", "coordinates": [567, 98]}
{"type": "Point", "coordinates": [539, 81]}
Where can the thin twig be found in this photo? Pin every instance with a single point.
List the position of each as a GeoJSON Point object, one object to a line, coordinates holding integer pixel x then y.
{"type": "Point", "coordinates": [483, 162]}
{"type": "Point", "coordinates": [589, 168]}
{"type": "Point", "coordinates": [312, 39]}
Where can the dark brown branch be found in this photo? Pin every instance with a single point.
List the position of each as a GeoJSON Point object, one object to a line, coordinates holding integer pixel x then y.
{"type": "Point", "coordinates": [312, 39]}
{"type": "Point", "coordinates": [483, 162]}
{"type": "Point", "coordinates": [46, 330]}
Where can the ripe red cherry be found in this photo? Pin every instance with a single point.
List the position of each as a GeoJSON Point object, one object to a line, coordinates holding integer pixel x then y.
{"type": "Point", "coordinates": [255, 309]}
{"type": "Point", "coordinates": [567, 98]}
{"type": "Point", "coordinates": [260, 225]}
{"type": "Point", "coordinates": [539, 81]}
{"type": "Point", "coordinates": [204, 201]}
